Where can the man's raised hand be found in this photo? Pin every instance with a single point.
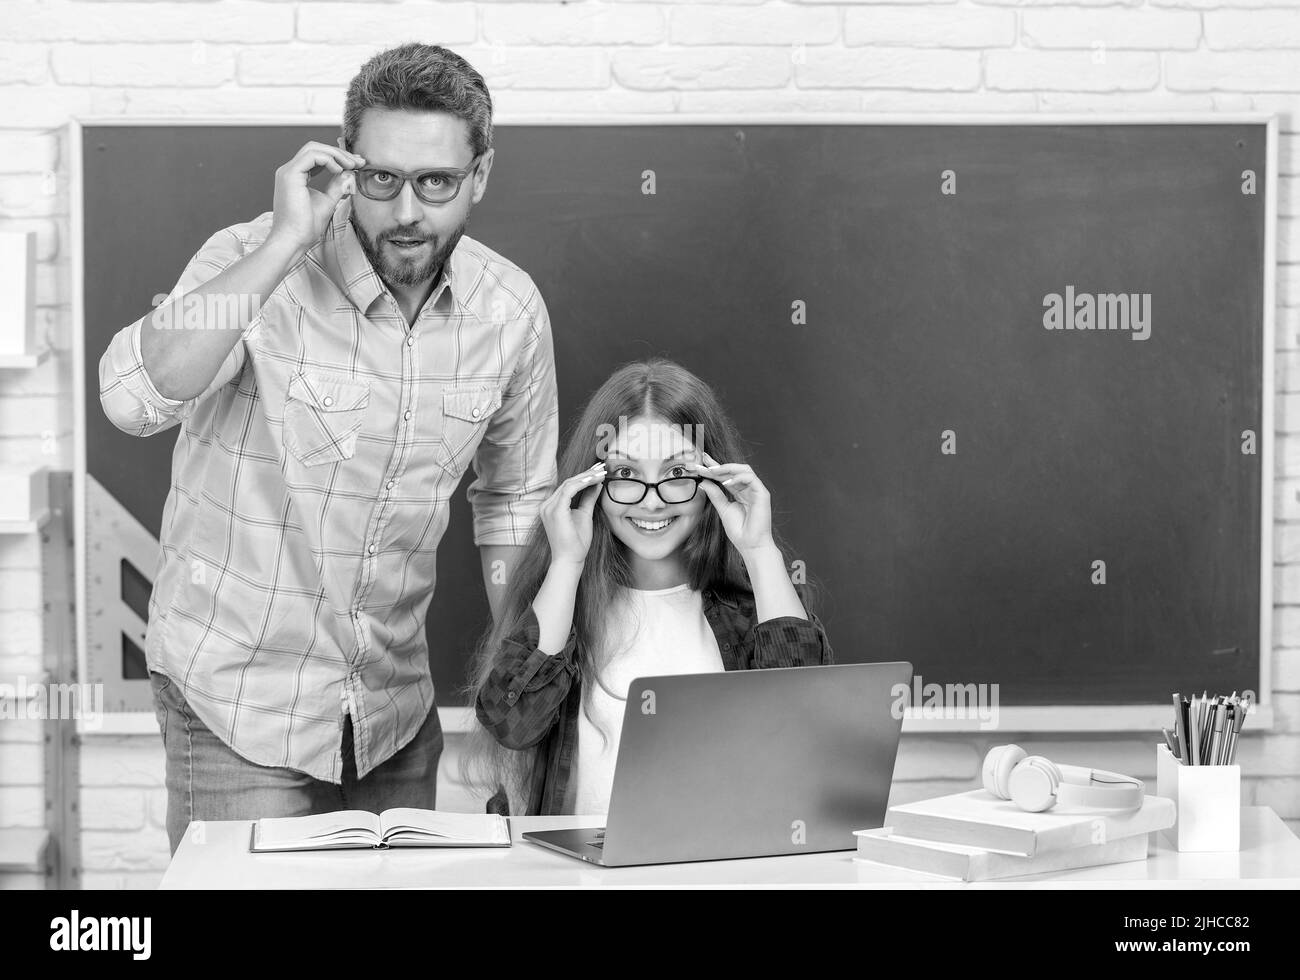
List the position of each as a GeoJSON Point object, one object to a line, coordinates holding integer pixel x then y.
{"type": "Point", "coordinates": [301, 211]}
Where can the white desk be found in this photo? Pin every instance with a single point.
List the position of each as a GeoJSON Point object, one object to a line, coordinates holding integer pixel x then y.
{"type": "Point", "coordinates": [1269, 858]}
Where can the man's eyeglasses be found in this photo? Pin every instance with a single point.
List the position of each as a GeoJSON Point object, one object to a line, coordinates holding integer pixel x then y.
{"type": "Point", "coordinates": [431, 186]}
{"type": "Point", "coordinates": [678, 490]}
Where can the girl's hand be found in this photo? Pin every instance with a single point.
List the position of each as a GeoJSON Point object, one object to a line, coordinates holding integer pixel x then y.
{"type": "Point", "coordinates": [568, 528]}
{"type": "Point", "coordinates": [748, 518]}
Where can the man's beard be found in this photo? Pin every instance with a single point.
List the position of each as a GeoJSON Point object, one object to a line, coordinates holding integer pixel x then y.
{"type": "Point", "coordinates": [396, 270]}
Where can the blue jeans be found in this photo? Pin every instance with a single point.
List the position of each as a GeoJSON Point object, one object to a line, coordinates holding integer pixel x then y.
{"type": "Point", "coordinates": [207, 780]}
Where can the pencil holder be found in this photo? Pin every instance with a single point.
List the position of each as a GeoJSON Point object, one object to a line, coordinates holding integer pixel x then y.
{"type": "Point", "coordinates": [1208, 799]}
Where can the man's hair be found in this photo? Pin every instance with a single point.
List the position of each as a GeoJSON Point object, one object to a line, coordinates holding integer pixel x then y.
{"type": "Point", "coordinates": [422, 77]}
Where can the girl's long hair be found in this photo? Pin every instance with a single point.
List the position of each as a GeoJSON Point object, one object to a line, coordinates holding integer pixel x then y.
{"type": "Point", "coordinates": [655, 389]}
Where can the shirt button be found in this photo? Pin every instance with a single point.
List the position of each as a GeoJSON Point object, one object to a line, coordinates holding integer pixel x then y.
{"type": "Point", "coordinates": [356, 613]}
{"type": "Point", "coordinates": [371, 549]}
{"type": "Point", "coordinates": [474, 413]}
{"type": "Point", "coordinates": [726, 646]}
{"type": "Point", "coordinates": [407, 415]}
{"type": "Point", "coordinates": [410, 341]}
{"type": "Point", "coordinates": [327, 401]}
{"type": "Point", "coordinates": [390, 484]}
{"type": "Point", "coordinates": [511, 696]}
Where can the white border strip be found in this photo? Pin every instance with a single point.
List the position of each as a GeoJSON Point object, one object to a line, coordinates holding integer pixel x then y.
{"type": "Point", "coordinates": [1268, 392]}
{"type": "Point", "coordinates": [73, 135]}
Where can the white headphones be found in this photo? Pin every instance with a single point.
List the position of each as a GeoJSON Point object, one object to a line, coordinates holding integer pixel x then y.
{"type": "Point", "coordinates": [1034, 783]}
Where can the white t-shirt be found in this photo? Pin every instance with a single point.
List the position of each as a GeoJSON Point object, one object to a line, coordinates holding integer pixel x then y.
{"type": "Point", "coordinates": [673, 638]}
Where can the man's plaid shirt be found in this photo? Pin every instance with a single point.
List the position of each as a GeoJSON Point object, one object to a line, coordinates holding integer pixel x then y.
{"type": "Point", "coordinates": [310, 488]}
{"type": "Point", "coordinates": [532, 697]}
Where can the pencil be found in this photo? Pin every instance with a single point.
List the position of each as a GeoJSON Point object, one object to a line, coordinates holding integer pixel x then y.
{"type": "Point", "coordinates": [1219, 743]}
{"type": "Point", "coordinates": [1195, 733]}
{"type": "Point", "coordinates": [1180, 730]}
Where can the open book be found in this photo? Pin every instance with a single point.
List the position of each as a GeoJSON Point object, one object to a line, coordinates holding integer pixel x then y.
{"type": "Point", "coordinates": [398, 827]}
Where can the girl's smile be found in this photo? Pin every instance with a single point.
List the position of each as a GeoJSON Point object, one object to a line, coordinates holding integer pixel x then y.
{"type": "Point", "coordinates": [651, 527]}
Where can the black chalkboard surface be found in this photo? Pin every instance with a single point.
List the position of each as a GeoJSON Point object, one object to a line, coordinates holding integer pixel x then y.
{"type": "Point", "coordinates": [924, 332]}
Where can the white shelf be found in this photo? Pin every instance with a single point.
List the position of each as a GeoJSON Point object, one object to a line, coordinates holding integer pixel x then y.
{"type": "Point", "coordinates": [23, 849]}
{"type": "Point", "coordinates": [23, 360]}
{"type": "Point", "coordinates": [30, 526]}
{"type": "Point", "coordinates": [1107, 719]}
{"type": "Point", "coordinates": [122, 723]}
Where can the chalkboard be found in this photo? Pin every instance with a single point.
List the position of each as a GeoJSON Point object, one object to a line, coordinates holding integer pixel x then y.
{"type": "Point", "coordinates": [869, 302]}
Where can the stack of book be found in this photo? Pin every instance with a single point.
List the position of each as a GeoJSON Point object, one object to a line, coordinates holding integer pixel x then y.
{"type": "Point", "coordinates": [975, 836]}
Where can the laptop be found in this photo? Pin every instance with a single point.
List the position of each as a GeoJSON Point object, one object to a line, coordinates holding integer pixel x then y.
{"type": "Point", "coordinates": [747, 763]}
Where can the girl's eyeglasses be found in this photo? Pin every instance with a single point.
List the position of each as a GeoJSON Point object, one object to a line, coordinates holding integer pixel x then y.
{"type": "Point", "coordinates": [431, 186]}
{"type": "Point", "coordinates": [678, 490]}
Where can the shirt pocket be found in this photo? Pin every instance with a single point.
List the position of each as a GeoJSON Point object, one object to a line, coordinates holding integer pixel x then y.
{"type": "Point", "coordinates": [465, 415]}
{"type": "Point", "coordinates": [322, 415]}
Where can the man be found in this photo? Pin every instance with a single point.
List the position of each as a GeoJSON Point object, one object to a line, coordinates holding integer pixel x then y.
{"type": "Point", "coordinates": [356, 352]}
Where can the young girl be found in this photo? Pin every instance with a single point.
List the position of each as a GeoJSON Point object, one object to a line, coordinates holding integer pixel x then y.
{"type": "Point", "coordinates": [655, 555]}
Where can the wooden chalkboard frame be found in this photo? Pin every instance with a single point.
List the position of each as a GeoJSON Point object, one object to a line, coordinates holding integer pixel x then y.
{"type": "Point", "coordinates": [1147, 719]}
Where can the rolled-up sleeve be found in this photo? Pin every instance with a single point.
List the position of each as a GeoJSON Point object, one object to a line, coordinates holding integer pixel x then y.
{"type": "Point", "coordinates": [790, 641]}
{"type": "Point", "coordinates": [515, 463]}
{"type": "Point", "coordinates": [128, 395]}
{"type": "Point", "coordinates": [526, 687]}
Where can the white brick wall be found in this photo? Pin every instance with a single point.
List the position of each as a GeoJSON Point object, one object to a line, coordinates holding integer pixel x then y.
{"type": "Point", "coordinates": [242, 57]}
{"type": "Point", "coordinates": [22, 749]}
